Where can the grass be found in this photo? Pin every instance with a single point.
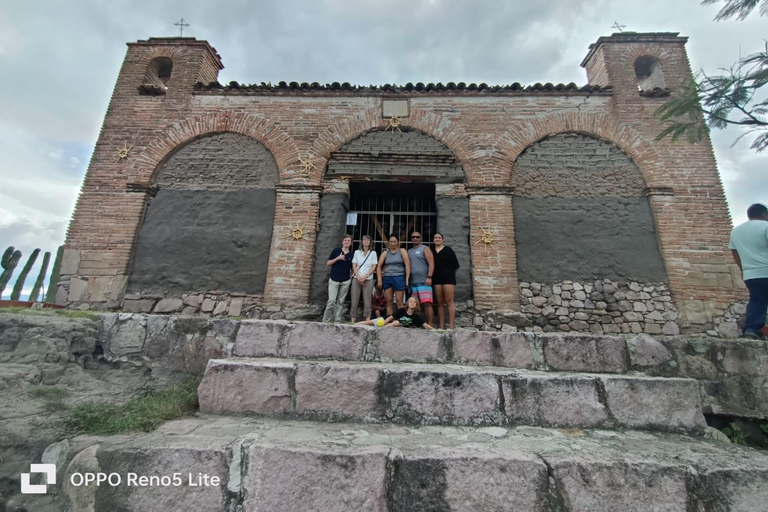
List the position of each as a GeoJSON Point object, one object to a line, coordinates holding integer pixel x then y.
{"type": "Point", "coordinates": [68, 313]}
{"type": "Point", "coordinates": [142, 413]}
{"type": "Point", "coordinates": [53, 397]}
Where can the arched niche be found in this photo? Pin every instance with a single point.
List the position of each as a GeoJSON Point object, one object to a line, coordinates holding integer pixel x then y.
{"type": "Point", "coordinates": [581, 213]}
{"type": "Point", "coordinates": [397, 171]}
{"type": "Point", "coordinates": [159, 72]}
{"type": "Point", "coordinates": [209, 227]}
{"type": "Point", "coordinates": [648, 73]}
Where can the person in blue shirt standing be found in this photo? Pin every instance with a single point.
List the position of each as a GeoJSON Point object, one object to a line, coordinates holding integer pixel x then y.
{"type": "Point", "coordinates": [749, 245]}
{"type": "Point", "coordinates": [340, 262]}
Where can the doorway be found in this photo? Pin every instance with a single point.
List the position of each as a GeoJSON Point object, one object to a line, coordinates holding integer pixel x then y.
{"type": "Point", "coordinates": [381, 209]}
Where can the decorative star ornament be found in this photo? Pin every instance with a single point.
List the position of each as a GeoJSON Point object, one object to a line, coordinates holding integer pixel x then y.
{"type": "Point", "coordinates": [394, 123]}
{"type": "Point", "coordinates": [487, 238]}
{"type": "Point", "coordinates": [297, 232]}
{"type": "Point", "coordinates": [307, 164]}
{"type": "Point", "coordinates": [122, 154]}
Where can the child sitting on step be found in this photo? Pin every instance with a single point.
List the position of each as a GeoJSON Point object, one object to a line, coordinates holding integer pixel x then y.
{"type": "Point", "coordinates": [409, 316]}
{"type": "Point", "coordinates": [379, 303]}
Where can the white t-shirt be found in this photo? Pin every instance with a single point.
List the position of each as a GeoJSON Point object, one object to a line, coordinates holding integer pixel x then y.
{"type": "Point", "coordinates": [751, 242]}
{"type": "Point", "coordinates": [364, 268]}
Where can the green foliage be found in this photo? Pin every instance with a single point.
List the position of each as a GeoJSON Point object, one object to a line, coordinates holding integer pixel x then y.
{"type": "Point", "coordinates": [730, 98]}
{"type": "Point", "coordinates": [738, 8]}
{"type": "Point", "coordinates": [53, 397]}
{"type": "Point", "coordinates": [10, 259]}
{"type": "Point", "coordinates": [735, 434]}
{"type": "Point", "coordinates": [143, 413]}
{"type": "Point", "coordinates": [68, 313]}
{"type": "Point", "coordinates": [16, 293]}
{"type": "Point", "coordinates": [720, 101]}
{"type": "Point", "coordinates": [40, 277]}
{"type": "Point", "coordinates": [53, 283]}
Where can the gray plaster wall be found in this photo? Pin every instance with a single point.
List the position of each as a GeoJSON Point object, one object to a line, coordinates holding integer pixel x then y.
{"type": "Point", "coordinates": [586, 238]}
{"type": "Point", "coordinates": [453, 223]}
{"type": "Point", "coordinates": [223, 160]}
{"type": "Point", "coordinates": [202, 240]}
{"type": "Point", "coordinates": [332, 226]}
{"type": "Point", "coordinates": [394, 155]}
{"type": "Point", "coordinates": [574, 165]}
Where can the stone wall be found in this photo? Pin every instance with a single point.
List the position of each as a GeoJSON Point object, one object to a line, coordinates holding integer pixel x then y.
{"type": "Point", "coordinates": [581, 213]}
{"type": "Point", "coordinates": [600, 306]}
{"type": "Point", "coordinates": [210, 226]}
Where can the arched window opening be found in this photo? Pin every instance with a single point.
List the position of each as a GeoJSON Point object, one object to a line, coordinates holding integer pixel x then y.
{"type": "Point", "coordinates": [157, 76]}
{"type": "Point", "coordinates": [648, 73]}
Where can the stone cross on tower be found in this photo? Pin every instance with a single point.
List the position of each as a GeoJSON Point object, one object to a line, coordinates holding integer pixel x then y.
{"type": "Point", "coordinates": [181, 26]}
{"type": "Point", "coordinates": [615, 25]}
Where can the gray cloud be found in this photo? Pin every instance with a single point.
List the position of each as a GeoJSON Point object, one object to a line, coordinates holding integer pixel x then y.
{"type": "Point", "coordinates": [59, 62]}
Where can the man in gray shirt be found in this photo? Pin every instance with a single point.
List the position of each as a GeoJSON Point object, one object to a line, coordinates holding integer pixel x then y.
{"type": "Point", "coordinates": [422, 266]}
{"type": "Point", "coordinates": [749, 245]}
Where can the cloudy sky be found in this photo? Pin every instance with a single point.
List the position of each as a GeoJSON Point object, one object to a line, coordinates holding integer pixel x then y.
{"type": "Point", "coordinates": [59, 62]}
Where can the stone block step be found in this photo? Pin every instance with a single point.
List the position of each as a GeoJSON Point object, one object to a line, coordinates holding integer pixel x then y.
{"type": "Point", "coordinates": [441, 394]}
{"type": "Point", "coordinates": [558, 352]}
{"type": "Point", "coordinates": [288, 466]}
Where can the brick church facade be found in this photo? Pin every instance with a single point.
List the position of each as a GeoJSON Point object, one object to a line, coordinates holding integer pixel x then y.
{"type": "Point", "coordinates": [565, 213]}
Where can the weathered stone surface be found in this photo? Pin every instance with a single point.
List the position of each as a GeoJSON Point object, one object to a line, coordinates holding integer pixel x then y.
{"type": "Point", "coordinates": [736, 487]}
{"type": "Point", "coordinates": [241, 386]}
{"type": "Point", "coordinates": [606, 354]}
{"type": "Point", "coordinates": [467, 482]}
{"type": "Point", "coordinates": [696, 367]}
{"type": "Point", "coordinates": [588, 484]}
{"type": "Point", "coordinates": [138, 306]}
{"type": "Point", "coordinates": [654, 403]}
{"type": "Point", "coordinates": [122, 335]}
{"type": "Point", "coordinates": [317, 340]}
{"type": "Point", "coordinates": [553, 401]}
{"type": "Point", "coordinates": [409, 345]}
{"type": "Point", "coordinates": [260, 338]}
{"type": "Point", "coordinates": [331, 392]}
{"type": "Point", "coordinates": [235, 307]}
{"type": "Point", "coordinates": [645, 351]}
{"type": "Point", "coordinates": [169, 306]}
{"type": "Point", "coordinates": [208, 305]}
{"type": "Point", "coordinates": [186, 458]}
{"type": "Point", "coordinates": [445, 394]}
{"type": "Point", "coordinates": [28, 339]}
{"type": "Point", "coordinates": [289, 480]}
{"type": "Point", "coordinates": [511, 350]}
{"type": "Point", "coordinates": [79, 290]}
{"type": "Point", "coordinates": [70, 262]}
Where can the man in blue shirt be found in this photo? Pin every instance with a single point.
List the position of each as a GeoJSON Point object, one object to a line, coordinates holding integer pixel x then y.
{"type": "Point", "coordinates": [749, 245]}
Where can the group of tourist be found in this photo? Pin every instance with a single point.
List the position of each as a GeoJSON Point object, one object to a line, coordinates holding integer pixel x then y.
{"type": "Point", "coordinates": [428, 275]}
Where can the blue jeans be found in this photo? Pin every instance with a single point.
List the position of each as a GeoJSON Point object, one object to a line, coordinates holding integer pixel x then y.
{"type": "Point", "coordinates": [758, 303]}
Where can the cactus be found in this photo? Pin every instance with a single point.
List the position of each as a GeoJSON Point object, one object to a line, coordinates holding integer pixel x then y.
{"type": "Point", "coordinates": [16, 293]}
{"type": "Point", "coordinates": [40, 277]}
{"type": "Point", "coordinates": [53, 284]}
{"type": "Point", "coordinates": [11, 258]}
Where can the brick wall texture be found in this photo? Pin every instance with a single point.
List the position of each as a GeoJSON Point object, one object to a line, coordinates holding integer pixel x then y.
{"type": "Point", "coordinates": [487, 134]}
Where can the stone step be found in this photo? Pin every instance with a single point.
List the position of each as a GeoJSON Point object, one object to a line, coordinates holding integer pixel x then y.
{"type": "Point", "coordinates": [558, 352]}
{"type": "Point", "coordinates": [287, 466]}
{"type": "Point", "coordinates": [442, 394]}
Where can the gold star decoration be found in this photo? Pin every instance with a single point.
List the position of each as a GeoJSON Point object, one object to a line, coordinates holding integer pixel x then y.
{"type": "Point", "coordinates": [394, 123]}
{"type": "Point", "coordinates": [307, 164]}
{"type": "Point", "coordinates": [488, 237]}
{"type": "Point", "coordinates": [297, 232]}
{"type": "Point", "coordinates": [122, 154]}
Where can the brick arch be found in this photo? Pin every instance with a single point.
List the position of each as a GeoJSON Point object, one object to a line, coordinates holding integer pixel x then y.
{"type": "Point", "coordinates": [171, 52]}
{"type": "Point", "coordinates": [340, 133]}
{"type": "Point", "coordinates": [282, 147]}
{"type": "Point", "coordinates": [625, 138]}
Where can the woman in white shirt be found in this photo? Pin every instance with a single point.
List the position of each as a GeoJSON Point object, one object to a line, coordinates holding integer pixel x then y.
{"type": "Point", "coordinates": [363, 266]}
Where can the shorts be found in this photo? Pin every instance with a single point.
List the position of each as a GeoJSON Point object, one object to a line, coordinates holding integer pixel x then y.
{"type": "Point", "coordinates": [422, 292]}
{"type": "Point", "coordinates": [396, 282]}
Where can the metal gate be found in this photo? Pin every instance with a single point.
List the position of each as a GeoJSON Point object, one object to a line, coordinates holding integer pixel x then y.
{"type": "Point", "coordinates": [381, 209]}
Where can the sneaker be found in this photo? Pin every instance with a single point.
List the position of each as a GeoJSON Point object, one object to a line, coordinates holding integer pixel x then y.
{"type": "Point", "coordinates": [752, 336]}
